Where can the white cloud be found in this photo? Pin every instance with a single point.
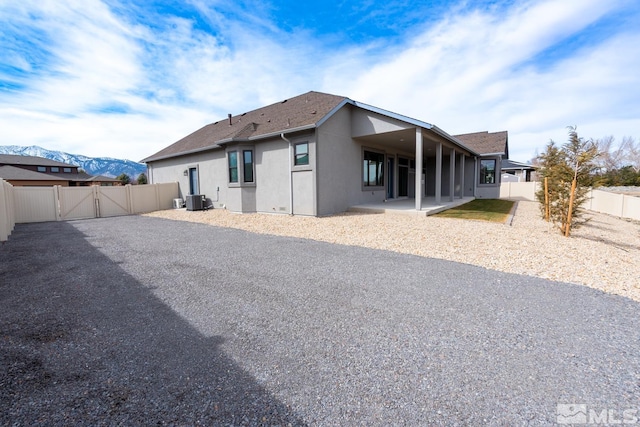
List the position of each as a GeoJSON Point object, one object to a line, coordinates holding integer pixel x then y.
{"type": "Point", "coordinates": [471, 71]}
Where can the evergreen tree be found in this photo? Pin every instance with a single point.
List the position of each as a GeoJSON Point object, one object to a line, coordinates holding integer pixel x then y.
{"type": "Point", "coordinates": [123, 178]}
{"type": "Point", "coordinates": [142, 179]}
{"type": "Point", "coordinates": [560, 165]}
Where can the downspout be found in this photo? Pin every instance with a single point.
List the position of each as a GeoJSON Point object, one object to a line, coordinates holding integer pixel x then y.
{"type": "Point", "coordinates": [290, 174]}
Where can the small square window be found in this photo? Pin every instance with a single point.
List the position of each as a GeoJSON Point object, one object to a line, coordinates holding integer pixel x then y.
{"type": "Point", "coordinates": [42, 168]}
{"type": "Point", "coordinates": [301, 154]}
{"type": "Point", "coordinates": [55, 169]}
{"type": "Point", "coordinates": [66, 170]}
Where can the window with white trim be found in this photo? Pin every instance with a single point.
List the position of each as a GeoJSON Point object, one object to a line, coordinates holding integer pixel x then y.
{"type": "Point", "coordinates": [301, 154]}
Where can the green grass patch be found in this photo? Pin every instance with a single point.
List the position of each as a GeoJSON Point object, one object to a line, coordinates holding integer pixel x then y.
{"type": "Point", "coordinates": [481, 209]}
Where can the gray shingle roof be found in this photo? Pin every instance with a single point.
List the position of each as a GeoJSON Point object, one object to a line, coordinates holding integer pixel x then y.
{"type": "Point", "coordinates": [303, 110]}
{"type": "Point", "coordinates": [17, 173]}
{"type": "Point", "coordinates": [83, 176]}
{"type": "Point", "coordinates": [20, 174]}
{"type": "Point", "coordinates": [486, 143]}
{"type": "Point", "coordinates": [13, 159]}
{"type": "Point", "coordinates": [512, 164]}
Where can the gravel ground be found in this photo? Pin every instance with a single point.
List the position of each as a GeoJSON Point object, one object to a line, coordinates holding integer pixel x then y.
{"type": "Point", "coordinates": [144, 321]}
{"type": "Point", "coordinates": [603, 254]}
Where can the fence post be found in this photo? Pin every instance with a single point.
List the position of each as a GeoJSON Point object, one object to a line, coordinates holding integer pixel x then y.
{"type": "Point", "coordinates": [56, 201]}
{"type": "Point", "coordinates": [4, 214]}
{"type": "Point", "coordinates": [96, 200]}
{"type": "Point", "coordinates": [157, 188]}
{"type": "Point", "coordinates": [127, 189]}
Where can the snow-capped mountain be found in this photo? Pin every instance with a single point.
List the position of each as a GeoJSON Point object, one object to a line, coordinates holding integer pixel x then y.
{"type": "Point", "coordinates": [92, 165]}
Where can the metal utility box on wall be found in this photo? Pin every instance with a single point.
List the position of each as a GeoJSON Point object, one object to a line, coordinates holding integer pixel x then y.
{"type": "Point", "coordinates": [195, 202]}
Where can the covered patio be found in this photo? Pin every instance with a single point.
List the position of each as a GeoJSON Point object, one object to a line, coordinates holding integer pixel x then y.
{"type": "Point", "coordinates": [425, 169]}
{"type": "Point", "coordinates": [408, 206]}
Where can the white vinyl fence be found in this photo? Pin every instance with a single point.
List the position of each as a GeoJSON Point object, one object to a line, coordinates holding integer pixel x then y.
{"type": "Point", "coordinates": [41, 204]}
{"type": "Point", "coordinates": [598, 201]}
{"type": "Point", "coordinates": [7, 213]}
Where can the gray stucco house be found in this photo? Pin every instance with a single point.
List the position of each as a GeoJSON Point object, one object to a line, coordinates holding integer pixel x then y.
{"type": "Point", "coordinates": [319, 154]}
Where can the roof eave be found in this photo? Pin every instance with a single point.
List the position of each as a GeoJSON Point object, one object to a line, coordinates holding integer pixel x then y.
{"type": "Point", "coordinates": [453, 139]}
{"type": "Point", "coordinates": [414, 122]}
{"type": "Point", "coordinates": [182, 153]}
{"type": "Point", "coordinates": [227, 141]}
{"type": "Point", "coordinates": [284, 131]}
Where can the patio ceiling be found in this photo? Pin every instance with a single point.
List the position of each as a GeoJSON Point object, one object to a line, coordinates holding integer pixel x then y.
{"type": "Point", "coordinates": [405, 140]}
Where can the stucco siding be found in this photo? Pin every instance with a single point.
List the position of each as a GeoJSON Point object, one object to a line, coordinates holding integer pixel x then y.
{"type": "Point", "coordinates": [339, 167]}
{"type": "Point", "coordinates": [469, 176]}
{"type": "Point", "coordinates": [211, 170]}
{"type": "Point", "coordinates": [367, 123]}
{"type": "Point", "coordinates": [337, 164]}
{"type": "Point", "coordinates": [270, 193]}
{"type": "Point", "coordinates": [272, 176]}
{"type": "Point", "coordinates": [303, 196]}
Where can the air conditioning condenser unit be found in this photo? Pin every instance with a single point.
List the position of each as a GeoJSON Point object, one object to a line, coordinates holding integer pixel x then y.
{"type": "Point", "coordinates": [195, 202]}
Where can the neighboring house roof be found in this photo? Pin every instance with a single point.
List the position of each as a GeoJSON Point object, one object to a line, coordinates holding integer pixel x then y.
{"type": "Point", "coordinates": [513, 165]}
{"type": "Point", "coordinates": [97, 178]}
{"type": "Point", "coordinates": [19, 174]}
{"type": "Point", "coordinates": [487, 143]}
{"type": "Point", "coordinates": [302, 112]}
{"type": "Point", "coordinates": [13, 159]}
{"type": "Point", "coordinates": [298, 113]}
{"type": "Point", "coordinates": [13, 171]}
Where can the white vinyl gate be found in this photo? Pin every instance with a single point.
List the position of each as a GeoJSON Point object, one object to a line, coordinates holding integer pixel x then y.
{"type": "Point", "coordinates": [40, 204]}
{"type": "Point", "coordinates": [77, 202]}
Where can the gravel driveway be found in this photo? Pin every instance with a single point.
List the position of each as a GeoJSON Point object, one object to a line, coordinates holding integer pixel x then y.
{"type": "Point", "coordinates": [146, 321]}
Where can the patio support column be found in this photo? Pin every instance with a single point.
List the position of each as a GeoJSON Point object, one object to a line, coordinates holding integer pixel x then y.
{"type": "Point", "coordinates": [419, 189]}
{"type": "Point", "coordinates": [438, 172]}
{"type": "Point", "coordinates": [452, 174]}
{"type": "Point", "coordinates": [462, 175]}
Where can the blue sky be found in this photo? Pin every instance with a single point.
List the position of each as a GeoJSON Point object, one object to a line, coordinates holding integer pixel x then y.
{"type": "Point", "coordinates": [126, 78]}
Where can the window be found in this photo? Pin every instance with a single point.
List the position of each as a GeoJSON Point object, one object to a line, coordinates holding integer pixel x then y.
{"type": "Point", "coordinates": [247, 155]}
{"type": "Point", "coordinates": [488, 171]}
{"type": "Point", "coordinates": [66, 170]}
{"type": "Point", "coordinates": [241, 166]}
{"type": "Point", "coordinates": [373, 169]}
{"type": "Point", "coordinates": [55, 169]}
{"type": "Point", "coordinates": [233, 166]}
{"type": "Point", "coordinates": [301, 154]}
{"type": "Point", "coordinates": [42, 168]}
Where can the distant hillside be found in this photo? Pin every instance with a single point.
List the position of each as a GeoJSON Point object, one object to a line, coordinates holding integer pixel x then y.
{"type": "Point", "coordinates": [92, 165]}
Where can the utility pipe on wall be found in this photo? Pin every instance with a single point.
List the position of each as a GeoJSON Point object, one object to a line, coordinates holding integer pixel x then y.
{"type": "Point", "coordinates": [290, 173]}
